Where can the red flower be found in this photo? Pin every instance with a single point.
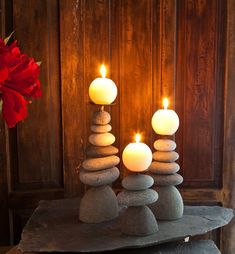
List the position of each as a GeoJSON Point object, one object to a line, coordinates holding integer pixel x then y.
{"type": "Point", "coordinates": [18, 82]}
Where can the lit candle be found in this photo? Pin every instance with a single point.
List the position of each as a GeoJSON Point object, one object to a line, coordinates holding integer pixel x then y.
{"type": "Point", "coordinates": [102, 91]}
{"type": "Point", "coordinates": [137, 156]}
{"type": "Point", "coordinates": [165, 121]}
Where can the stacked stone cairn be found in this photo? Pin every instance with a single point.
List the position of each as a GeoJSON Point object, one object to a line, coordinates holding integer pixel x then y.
{"type": "Point", "coordinates": [138, 219]}
{"type": "Point", "coordinates": [164, 170]}
{"type": "Point", "coordinates": [99, 170]}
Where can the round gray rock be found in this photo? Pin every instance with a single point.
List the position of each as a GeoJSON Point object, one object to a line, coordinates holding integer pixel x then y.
{"type": "Point", "coordinates": [164, 145]}
{"type": "Point", "coordinates": [95, 164]}
{"type": "Point", "coordinates": [164, 167]}
{"type": "Point", "coordinates": [137, 198]}
{"type": "Point", "coordinates": [138, 221]}
{"type": "Point", "coordinates": [101, 117]}
{"type": "Point", "coordinates": [165, 156]}
{"type": "Point", "coordinates": [99, 178]}
{"type": "Point", "coordinates": [164, 180]}
{"type": "Point", "coordinates": [100, 151]}
{"type": "Point", "coordinates": [102, 139]}
{"type": "Point", "coordinates": [170, 205]}
{"type": "Point", "coordinates": [137, 182]}
{"type": "Point", "coordinates": [99, 204]}
{"type": "Point", "coordinates": [101, 128]}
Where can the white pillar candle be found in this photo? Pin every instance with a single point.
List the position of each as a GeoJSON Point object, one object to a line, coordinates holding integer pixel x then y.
{"type": "Point", "coordinates": [102, 91]}
{"type": "Point", "coordinates": [137, 156]}
{"type": "Point", "coordinates": [165, 121]}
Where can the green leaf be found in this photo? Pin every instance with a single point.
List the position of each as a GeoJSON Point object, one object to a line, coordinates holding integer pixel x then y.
{"type": "Point", "coordinates": [39, 63]}
{"type": "Point", "coordinates": [8, 38]}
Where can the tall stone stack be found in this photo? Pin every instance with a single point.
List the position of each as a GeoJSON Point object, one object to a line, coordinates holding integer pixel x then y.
{"type": "Point", "coordinates": [164, 170]}
{"type": "Point", "coordinates": [98, 171]}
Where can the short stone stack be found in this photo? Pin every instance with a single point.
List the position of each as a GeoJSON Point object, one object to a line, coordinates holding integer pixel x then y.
{"type": "Point", "coordinates": [98, 171]}
{"type": "Point", "coordinates": [138, 219]}
{"type": "Point", "coordinates": [164, 170]}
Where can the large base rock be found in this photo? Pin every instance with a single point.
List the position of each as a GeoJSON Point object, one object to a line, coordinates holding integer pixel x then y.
{"type": "Point", "coordinates": [99, 204]}
{"type": "Point", "coordinates": [138, 221]}
{"type": "Point", "coordinates": [169, 205]}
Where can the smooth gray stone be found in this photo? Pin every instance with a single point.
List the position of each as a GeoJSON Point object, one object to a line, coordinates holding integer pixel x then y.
{"type": "Point", "coordinates": [101, 139]}
{"type": "Point", "coordinates": [164, 145]}
{"type": "Point", "coordinates": [192, 247]}
{"type": "Point", "coordinates": [99, 204]}
{"type": "Point", "coordinates": [99, 178]}
{"type": "Point", "coordinates": [137, 182]}
{"type": "Point", "coordinates": [95, 164]}
{"type": "Point", "coordinates": [165, 156]}
{"type": "Point", "coordinates": [170, 204]}
{"type": "Point", "coordinates": [164, 180]}
{"type": "Point", "coordinates": [101, 128]}
{"type": "Point", "coordinates": [164, 168]}
{"type": "Point", "coordinates": [138, 221]}
{"type": "Point", "coordinates": [59, 218]}
{"type": "Point", "coordinates": [96, 151]}
{"type": "Point", "coordinates": [137, 198]}
{"type": "Point", "coordinates": [101, 117]}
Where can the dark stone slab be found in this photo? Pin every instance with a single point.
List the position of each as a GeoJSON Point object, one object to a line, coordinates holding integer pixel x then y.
{"type": "Point", "coordinates": [54, 227]}
{"type": "Point", "coordinates": [194, 247]}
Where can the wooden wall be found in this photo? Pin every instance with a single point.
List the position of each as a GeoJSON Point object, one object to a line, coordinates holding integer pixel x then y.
{"type": "Point", "coordinates": [152, 48]}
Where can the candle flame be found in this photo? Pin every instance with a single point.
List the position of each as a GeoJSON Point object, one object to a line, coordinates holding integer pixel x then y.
{"type": "Point", "coordinates": [103, 71]}
{"type": "Point", "coordinates": [137, 138]}
{"type": "Point", "coordinates": [165, 103]}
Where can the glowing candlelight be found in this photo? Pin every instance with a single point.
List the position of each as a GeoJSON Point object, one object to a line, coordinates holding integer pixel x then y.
{"type": "Point", "coordinates": [102, 91]}
{"type": "Point", "coordinates": [137, 156]}
{"type": "Point", "coordinates": [165, 121]}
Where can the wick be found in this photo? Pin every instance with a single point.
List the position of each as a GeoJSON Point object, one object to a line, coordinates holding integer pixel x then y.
{"type": "Point", "coordinates": [102, 108]}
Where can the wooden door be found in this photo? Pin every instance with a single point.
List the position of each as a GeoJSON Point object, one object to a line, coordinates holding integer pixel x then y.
{"type": "Point", "coordinates": [153, 48]}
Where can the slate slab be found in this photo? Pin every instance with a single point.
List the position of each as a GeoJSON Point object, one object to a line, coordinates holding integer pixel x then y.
{"type": "Point", "coordinates": [54, 227]}
{"type": "Point", "coordinates": [194, 247]}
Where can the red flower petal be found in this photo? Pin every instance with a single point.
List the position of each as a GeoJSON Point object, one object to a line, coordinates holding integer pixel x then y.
{"type": "Point", "coordinates": [3, 73]}
{"type": "Point", "coordinates": [14, 107]}
{"type": "Point", "coordinates": [18, 79]}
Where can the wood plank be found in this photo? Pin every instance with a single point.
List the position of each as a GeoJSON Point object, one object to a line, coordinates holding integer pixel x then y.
{"type": "Point", "coordinates": [196, 196]}
{"type": "Point", "coordinates": [89, 45]}
{"type": "Point", "coordinates": [163, 55]}
{"type": "Point", "coordinates": [115, 10]}
{"type": "Point", "coordinates": [168, 50]}
{"type": "Point", "coordinates": [96, 18]}
{"type": "Point", "coordinates": [228, 236]}
{"type": "Point", "coordinates": [30, 199]}
{"type": "Point", "coordinates": [6, 26]}
{"type": "Point", "coordinates": [38, 36]}
{"type": "Point", "coordinates": [72, 92]}
{"type": "Point", "coordinates": [199, 91]}
{"type": "Point", "coordinates": [135, 71]}
{"type": "Point", "coordinates": [157, 45]}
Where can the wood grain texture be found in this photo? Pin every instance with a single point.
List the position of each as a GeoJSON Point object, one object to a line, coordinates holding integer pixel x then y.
{"type": "Point", "coordinates": [72, 91]}
{"type": "Point", "coordinates": [87, 41]}
{"type": "Point", "coordinates": [35, 145]}
{"type": "Point", "coordinates": [41, 131]}
{"type": "Point", "coordinates": [168, 50]}
{"type": "Point", "coordinates": [163, 55]}
{"type": "Point", "coordinates": [228, 243]}
{"type": "Point", "coordinates": [97, 49]}
{"type": "Point", "coordinates": [135, 71]}
{"type": "Point", "coordinates": [152, 49]}
{"type": "Point", "coordinates": [199, 90]}
{"type": "Point", "coordinates": [5, 27]}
